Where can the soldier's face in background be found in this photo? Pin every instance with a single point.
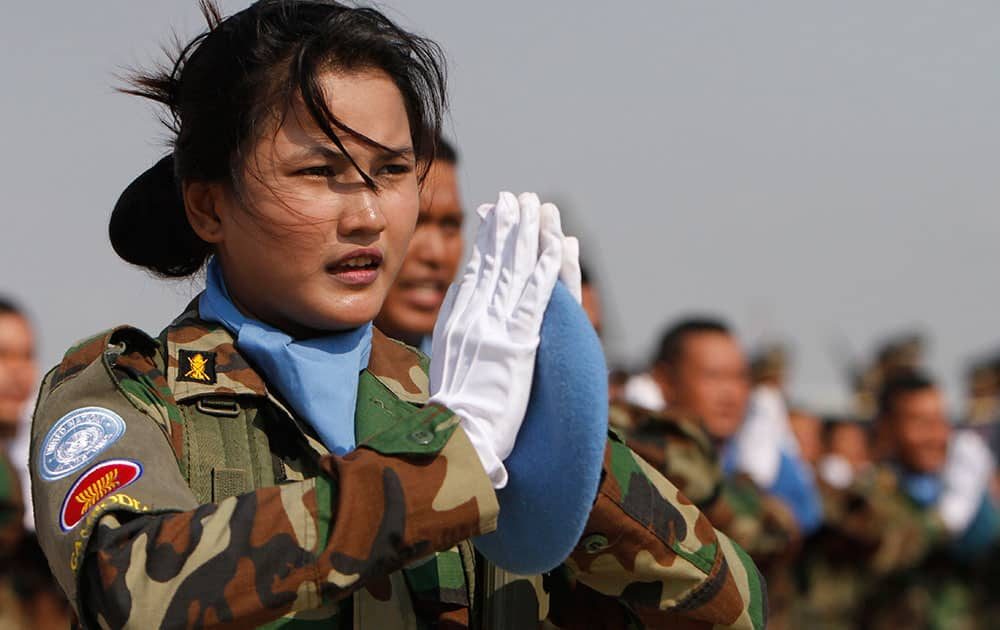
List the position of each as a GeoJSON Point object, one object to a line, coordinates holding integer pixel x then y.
{"type": "Point", "coordinates": [808, 432]}
{"type": "Point", "coordinates": [710, 381]}
{"type": "Point", "coordinates": [919, 430]}
{"type": "Point", "coordinates": [306, 245]}
{"type": "Point", "coordinates": [432, 260]}
{"type": "Point", "coordinates": [851, 441]}
{"type": "Point", "coordinates": [18, 370]}
{"type": "Point", "coordinates": [591, 303]}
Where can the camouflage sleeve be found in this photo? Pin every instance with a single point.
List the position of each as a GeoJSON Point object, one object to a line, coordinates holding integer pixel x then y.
{"type": "Point", "coordinates": [117, 520]}
{"type": "Point", "coordinates": [678, 448]}
{"type": "Point", "coordinates": [648, 546]}
{"type": "Point", "coordinates": [875, 523]}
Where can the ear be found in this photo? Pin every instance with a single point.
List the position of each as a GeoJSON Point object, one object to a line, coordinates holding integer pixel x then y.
{"type": "Point", "coordinates": [205, 203]}
{"type": "Point", "coordinates": [661, 374]}
{"type": "Point", "coordinates": [883, 443]}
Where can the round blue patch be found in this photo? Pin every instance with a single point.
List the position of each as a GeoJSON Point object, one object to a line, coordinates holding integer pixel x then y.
{"type": "Point", "coordinates": [76, 439]}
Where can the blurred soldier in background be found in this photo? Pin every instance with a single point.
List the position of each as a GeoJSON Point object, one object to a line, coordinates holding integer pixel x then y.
{"type": "Point", "coordinates": [412, 304]}
{"type": "Point", "coordinates": [982, 407]}
{"type": "Point", "coordinates": [701, 374]}
{"type": "Point", "coordinates": [18, 370]}
{"type": "Point", "coordinates": [11, 534]}
{"type": "Point", "coordinates": [846, 451]}
{"type": "Point", "coordinates": [898, 354]}
{"type": "Point", "coordinates": [18, 380]}
{"type": "Point", "coordinates": [29, 596]}
{"type": "Point", "coordinates": [945, 476]}
{"type": "Point", "coordinates": [808, 431]}
{"type": "Point", "coordinates": [765, 446]}
{"type": "Point", "coordinates": [591, 301]}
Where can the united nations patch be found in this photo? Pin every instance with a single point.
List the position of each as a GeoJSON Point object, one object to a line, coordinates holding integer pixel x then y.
{"type": "Point", "coordinates": [76, 439]}
{"type": "Point", "coordinates": [197, 367]}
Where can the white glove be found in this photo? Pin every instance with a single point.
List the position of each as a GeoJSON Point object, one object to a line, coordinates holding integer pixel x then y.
{"type": "Point", "coordinates": [966, 478]}
{"type": "Point", "coordinates": [570, 272]}
{"type": "Point", "coordinates": [486, 336]}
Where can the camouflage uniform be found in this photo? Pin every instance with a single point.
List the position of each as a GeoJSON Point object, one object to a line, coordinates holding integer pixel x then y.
{"type": "Point", "coordinates": [12, 614]}
{"type": "Point", "coordinates": [11, 506]}
{"type": "Point", "coordinates": [928, 581]}
{"type": "Point", "coordinates": [870, 532]}
{"type": "Point", "coordinates": [762, 525]}
{"type": "Point", "coordinates": [374, 539]}
{"type": "Point", "coordinates": [680, 449]}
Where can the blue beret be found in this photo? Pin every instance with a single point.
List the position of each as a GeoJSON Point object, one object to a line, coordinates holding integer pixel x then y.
{"type": "Point", "coordinates": [555, 467]}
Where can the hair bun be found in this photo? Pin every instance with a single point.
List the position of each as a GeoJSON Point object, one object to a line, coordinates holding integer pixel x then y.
{"type": "Point", "coordinates": [149, 227]}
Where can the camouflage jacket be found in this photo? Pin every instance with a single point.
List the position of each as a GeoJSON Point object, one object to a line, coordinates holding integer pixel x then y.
{"type": "Point", "coordinates": [684, 453]}
{"type": "Point", "coordinates": [352, 541]}
{"type": "Point", "coordinates": [11, 507]}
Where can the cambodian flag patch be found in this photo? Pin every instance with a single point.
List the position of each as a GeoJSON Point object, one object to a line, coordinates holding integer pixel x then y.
{"type": "Point", "coordinates": [93, 486]}
{"type": "Point", "coordinates": [76, 439]}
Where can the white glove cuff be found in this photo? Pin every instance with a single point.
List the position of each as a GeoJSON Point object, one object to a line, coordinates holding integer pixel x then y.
{"type": "Point", "coordinates": [492, 464]}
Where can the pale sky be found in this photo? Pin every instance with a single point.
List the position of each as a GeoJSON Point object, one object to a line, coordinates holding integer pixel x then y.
{"type": "Point", "coordinates": [822, 173]}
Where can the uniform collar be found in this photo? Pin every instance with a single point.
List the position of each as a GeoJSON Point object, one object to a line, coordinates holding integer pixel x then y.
{"type": "Point", "coordinates": [203, 361]}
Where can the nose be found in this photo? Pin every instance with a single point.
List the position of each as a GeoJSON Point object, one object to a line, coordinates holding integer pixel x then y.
{"type": "Point", "coordinates": [366, 220]}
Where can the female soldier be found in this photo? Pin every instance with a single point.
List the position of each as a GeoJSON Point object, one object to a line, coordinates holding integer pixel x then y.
{"type": "Point", "coordinates": [209, 477]}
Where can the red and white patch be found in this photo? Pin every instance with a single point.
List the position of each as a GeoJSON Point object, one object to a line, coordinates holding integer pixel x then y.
{"type": "Point", "coordinates": [95, 484]}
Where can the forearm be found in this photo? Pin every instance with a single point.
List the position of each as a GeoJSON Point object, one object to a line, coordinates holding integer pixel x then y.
{"type": "Point", "coordinates": [647, 545]}
{"type": "Point", "coordinates": [262, 555]}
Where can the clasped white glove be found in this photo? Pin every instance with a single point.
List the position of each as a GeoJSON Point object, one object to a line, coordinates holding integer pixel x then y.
{"type": "Point", "coordinates": [965, 479]}
{"type": "Point", "coordinates": [486, 335]}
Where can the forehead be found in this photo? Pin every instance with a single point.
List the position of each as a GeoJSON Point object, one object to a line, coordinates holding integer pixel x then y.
{"type": "Point", "coordinates": [927, 400]}
{"type": "Point", "coordinates": [711, 346]}
{"type": "Point", "coordinates": [15, 331]}
{"type": "Point", "coordinates": [366, 101]}
{"type": "Point", "coordinates": [439, 194]}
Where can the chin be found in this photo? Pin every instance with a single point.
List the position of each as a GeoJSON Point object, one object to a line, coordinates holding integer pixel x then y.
{"type": "Point", "coordinates": [418, 324]}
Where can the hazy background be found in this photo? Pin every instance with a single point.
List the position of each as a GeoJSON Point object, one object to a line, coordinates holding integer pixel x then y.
{"type": "Point", "coordinates": [822, 173]}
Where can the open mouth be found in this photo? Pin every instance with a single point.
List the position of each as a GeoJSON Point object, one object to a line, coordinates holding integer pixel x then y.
{"type": "Point", "coordinates": [424, 294]}
{"type": "Point", "coordinates": [356, 263]}
{"type": "Point", "coordinates": [356, 269]}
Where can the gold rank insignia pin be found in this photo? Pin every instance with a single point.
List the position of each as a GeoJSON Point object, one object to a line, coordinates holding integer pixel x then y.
{"type": "Point", "coordinates": [197, 367]}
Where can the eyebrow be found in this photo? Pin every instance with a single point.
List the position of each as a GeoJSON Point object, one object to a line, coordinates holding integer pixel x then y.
{"type": "Point", "coordinates": [327, 152]}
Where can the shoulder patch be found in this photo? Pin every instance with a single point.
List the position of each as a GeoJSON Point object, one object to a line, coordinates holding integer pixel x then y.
{"type": "Point", "coordinates": [197, 367]}
{"type": "Point", "coordinates": [93, 485]}
{"type": "Point", "coordinates": [76, 439]}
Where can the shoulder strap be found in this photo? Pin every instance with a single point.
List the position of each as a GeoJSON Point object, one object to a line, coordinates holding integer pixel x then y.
{"type": "Point", "coordinates": [133, 358]}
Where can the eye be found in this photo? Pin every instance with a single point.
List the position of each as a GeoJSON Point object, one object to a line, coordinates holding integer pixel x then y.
{"type": "Point", "coordinates": [322, 170]}
{"type": "Point", "coordinates": [451, 224]}
{"type": "Point", "coordinates": [396, 168]}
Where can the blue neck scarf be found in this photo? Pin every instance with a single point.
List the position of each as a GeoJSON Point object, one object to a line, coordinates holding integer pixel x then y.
{"type": "Point", "coordinates": [317, 377]}
{"type": "Point", "coordinates": [924, 488]}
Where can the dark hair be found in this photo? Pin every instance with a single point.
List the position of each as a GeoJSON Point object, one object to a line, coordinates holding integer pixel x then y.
{"type": "Point", "coordinates": [220, 87]}
{"type": "Point", "coordinates": [9, 307]}
{"type": "Point", "coordinates": [900, 384]}
{"type": "Point", "coordinates": [445, 151]}
{"type": "Point", "coordinates": [832, 424]}
{"type": "Point", "coordinates": [672, 342]}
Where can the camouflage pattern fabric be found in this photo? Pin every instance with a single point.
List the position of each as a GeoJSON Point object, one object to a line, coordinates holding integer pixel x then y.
{"type": "Point", "coordinates": [11, 506]}
{"type": "Point", "coordinates": [762, 525]}
{"type": "Point", "coordinates": [870, 531]}
{"type": "Point", "coordinates": [925, 582]}
{"type": "Point", "coordinates": [322, 539]}
{"type": "Point", "coordinates": [677, 446]}
{"type": "Point", "coordinates": [881, 561]}
{"type": "Point", "coordinates": [11, 530]}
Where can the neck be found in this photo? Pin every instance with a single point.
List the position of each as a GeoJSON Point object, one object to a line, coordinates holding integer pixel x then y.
{"type": "Point", "coordinates": [408, 337]}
